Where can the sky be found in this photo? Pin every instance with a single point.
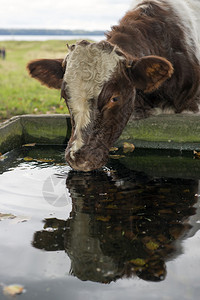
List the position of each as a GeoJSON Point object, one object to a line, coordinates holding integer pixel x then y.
{"type": "Point", "coordinates": [62, 14]}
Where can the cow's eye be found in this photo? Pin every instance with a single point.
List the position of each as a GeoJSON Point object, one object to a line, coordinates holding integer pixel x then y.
{"type": "Point", "coordinates": [115, 99]}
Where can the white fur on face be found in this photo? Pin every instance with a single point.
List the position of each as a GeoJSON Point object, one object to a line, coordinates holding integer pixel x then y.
{"type": "Point", "coordinates": [88, 68]}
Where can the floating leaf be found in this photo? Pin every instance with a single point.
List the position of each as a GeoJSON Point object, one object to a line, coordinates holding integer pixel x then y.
{"type": "Point", "coordinates": [128, 147]}
{"type": "Point", "coordinates": [113, 149]}
{"type": "Point", "coordinates": [20, 219]}
{"type": "Point", "coordinates": [6, 216]}
{"type": "Point", "coordinates": [152, 245]}
{"type": "Point", "coordinates": [138, 262]}
{"type": "Point", "coordinates": [13, 289]}
{"type": "Point", "coordinates": [45, 160]}
{"type": "Point", "coordinates": [197, 154]}
{"type": "Point", "coordinates": [28, 158]}
{"type": "Point", "coordinates": [103, 219]}
{"type": "Point", "coordinates": [115, 156]}
{"type": "Point", "coordinates": [29, 145]}
{"type": "Point", "coordinates": [15, 219]}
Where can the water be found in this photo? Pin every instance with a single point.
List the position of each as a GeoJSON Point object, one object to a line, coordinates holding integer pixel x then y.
{"type": "Point", "coordinates": [96, 38]}
{"type": "Point", "coordinates": [121, 232]}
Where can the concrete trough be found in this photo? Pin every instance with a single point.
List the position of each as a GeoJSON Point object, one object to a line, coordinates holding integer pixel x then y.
{"type": "Point", "coordinates": [159, 141]}
{"type": "Point", "coordinates": [180, 132]}
{"type": "Point", "coordinates": [39, 129]}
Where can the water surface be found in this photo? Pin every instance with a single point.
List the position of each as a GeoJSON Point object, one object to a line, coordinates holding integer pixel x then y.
{"type": "Point", "coordinates": [130, 230]}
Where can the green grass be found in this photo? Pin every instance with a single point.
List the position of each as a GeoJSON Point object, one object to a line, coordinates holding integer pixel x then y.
{"type": "Point", "coordinates": [19, 93]}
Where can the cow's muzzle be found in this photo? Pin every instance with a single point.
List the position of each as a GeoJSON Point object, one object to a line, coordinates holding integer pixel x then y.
{"type": "Point", "coordinates": [86, 159]}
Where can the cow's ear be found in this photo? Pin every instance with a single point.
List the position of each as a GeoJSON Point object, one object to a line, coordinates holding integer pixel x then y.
{"type": "Point", "coordinates": [149, 72]}
{"type": "Point", "coordinates": [49, 72]}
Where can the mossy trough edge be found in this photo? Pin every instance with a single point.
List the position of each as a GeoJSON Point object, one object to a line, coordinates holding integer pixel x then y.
{"type": "Point", "coordinates": [158, 132]}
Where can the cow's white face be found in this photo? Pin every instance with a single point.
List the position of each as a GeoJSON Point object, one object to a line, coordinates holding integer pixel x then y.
{"type": "Point", "coordinates": [88, 67]}
{"type": "Point", "coordinates": [99, 84]}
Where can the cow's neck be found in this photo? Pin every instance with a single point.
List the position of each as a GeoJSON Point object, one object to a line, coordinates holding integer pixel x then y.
{"type": "Point", "coordinates": [139, 34]}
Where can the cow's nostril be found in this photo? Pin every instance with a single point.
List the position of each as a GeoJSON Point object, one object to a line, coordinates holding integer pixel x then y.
{"type": "Point", "coordinates": [76, 162]}
{"type": "Point", "coordinates": [85, 167]}
{"type": "Point", "coordinates": [86, 159]}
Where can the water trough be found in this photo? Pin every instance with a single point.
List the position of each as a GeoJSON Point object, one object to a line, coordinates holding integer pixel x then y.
{"type": "Point", "coordinates": [181, 132]}
{"type": "Point", "coordinates": [131, 224]}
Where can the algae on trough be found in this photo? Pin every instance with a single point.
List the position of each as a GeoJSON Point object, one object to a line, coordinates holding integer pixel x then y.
{"type": "Point", "coordinates": [158, 132]}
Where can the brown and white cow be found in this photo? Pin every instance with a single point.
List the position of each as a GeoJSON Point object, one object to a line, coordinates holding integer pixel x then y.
{"type": "Point", "coordinates": [149, 63]}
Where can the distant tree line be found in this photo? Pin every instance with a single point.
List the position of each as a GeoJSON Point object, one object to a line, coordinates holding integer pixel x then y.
{"type": "Point", "coordinates": [48, 32]}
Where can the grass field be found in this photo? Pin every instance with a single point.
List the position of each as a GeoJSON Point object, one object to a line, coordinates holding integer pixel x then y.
{"type": "Point", "coordinates": [20, 94]}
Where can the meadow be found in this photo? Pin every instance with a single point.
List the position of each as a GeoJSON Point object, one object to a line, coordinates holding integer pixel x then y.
{"type": "Point", "coordinates": [19, 93]}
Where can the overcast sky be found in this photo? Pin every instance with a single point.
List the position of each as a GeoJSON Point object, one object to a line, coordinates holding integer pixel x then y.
{"type": "Point", "coordinates": [62, 14]}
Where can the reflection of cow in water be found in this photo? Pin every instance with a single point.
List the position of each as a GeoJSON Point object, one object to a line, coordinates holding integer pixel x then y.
{"type": "Point", "coordinates": [121, 226]}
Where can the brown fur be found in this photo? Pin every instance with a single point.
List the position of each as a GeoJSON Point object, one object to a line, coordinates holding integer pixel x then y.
{"type": "Point", "coordinates": [155, 31]}
{"type": "Point", "coordinates": [157, 69]}
{"type": "Point", "coordinates": [48, 71]}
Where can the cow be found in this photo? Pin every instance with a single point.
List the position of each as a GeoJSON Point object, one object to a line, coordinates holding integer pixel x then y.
{"type": "Point", "coordinates": [148, 64]}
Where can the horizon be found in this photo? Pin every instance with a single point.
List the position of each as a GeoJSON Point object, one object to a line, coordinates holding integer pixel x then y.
{"type": "Point", "coordinates": [51, 29]}
{"type": "Point", "coordinates": [90, 15]}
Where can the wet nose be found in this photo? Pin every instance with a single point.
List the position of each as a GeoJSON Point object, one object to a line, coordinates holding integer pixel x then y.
{"type": "Point", "coordinates": [85, 166]}
{"type": "Point", "coordinates": [85, 161]}
{"type": "Point", "coordinates": [77, 164]}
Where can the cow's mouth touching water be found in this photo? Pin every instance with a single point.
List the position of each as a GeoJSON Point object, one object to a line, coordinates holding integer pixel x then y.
{"type": "Point", "coordinates": [100, 96]}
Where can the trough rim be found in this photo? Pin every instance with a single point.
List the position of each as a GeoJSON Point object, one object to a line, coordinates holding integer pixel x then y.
{"type": "Point", "coordinates": [133, 132]}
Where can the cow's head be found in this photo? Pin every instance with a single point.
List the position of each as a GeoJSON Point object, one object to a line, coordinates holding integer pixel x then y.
{"type": "Point", "coordinates": [98, 82]}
